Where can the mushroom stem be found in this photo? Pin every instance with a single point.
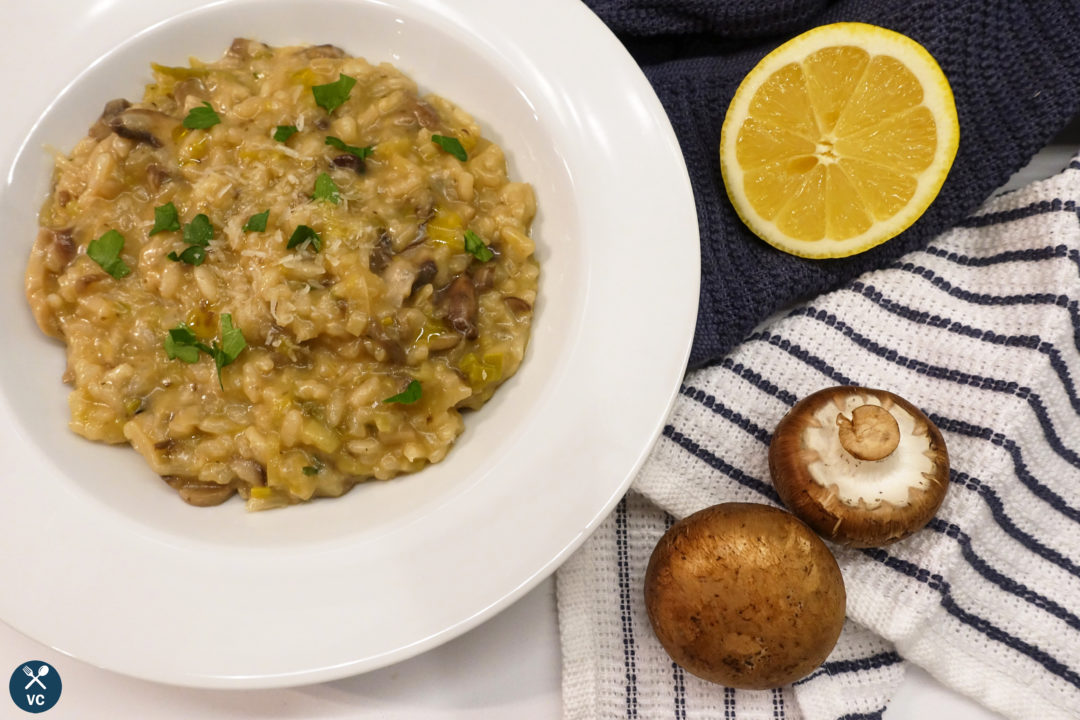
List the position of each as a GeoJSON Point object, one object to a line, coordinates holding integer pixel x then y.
{"type": "Point", "coordinates": [872, 433]}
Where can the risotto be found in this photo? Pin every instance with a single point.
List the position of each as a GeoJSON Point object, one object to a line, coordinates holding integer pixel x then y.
{"type": "Point", "coordinates": [283, 273]}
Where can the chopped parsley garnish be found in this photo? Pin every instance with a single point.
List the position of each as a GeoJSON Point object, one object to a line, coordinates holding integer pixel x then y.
{"type": "Point", "coordinates": [476, 247]}
{"type": "Point", "coordinates": [105, 251]}
{"type": "Point", "coordinates": [326, 189]}
{"type": "Point", "coordinates": [333, 95]}
{"type": "Point", "coordinates": [360, 152]}
{"type": "Point", "coordinates": [257, 222]}
{"type": "Point", "coordinates": [284, 132]}
{"type": "Point", "coordinates": [232, 344]}
{"type": "Point", "coordinates": [199, 231]}
{"type": "Point", "coordinates": [197, 234]}
{"type": "Point", "coordinates": [182, 344]}
{"type": "Point", "coordinates": [301, 235]}
{"type": "Point", "coordinates": [166, 219]}
{"type": "Point", "coordinates": [192, 255]}
{"type": "Point", "coordinates": [451, 145]}
{"type": "Point", "coordinates": [310, 470]}
{"type": "Point", "coordinates": [201, 118]}
{"type": "Point", "coordinates": [408, 396]}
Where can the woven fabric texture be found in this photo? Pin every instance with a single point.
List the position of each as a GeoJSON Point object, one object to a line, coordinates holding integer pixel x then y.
{"type": "Point", "coordinates": [1014, 67]}
{"type": "Point", "coordinates": [981, 330]}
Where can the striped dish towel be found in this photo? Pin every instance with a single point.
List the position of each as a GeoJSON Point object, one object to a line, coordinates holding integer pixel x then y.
{"type": "Point", "coordinates": [982, 331]}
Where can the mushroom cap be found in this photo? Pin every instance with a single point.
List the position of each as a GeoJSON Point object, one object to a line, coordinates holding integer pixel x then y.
{"type": "Point", "coordinates": [862, 467]}
{"type": "Point", "coordinates": [745, 595]}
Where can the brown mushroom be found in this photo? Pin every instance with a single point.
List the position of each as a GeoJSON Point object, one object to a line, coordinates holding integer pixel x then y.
{"type": "Point", "coordinates": [519, 307]}
{"type": "Point", "coordinates": [406, 272]}
{"type": "Point", "coordinates": [101, 129]}
{"type": "Point", "coordinates": [198, 493]}
{"type": "Point", "coordinates": [425, 114]}
{"type": "Point", "coordinates": [377, 333]}
{"type": "Point", "coordinates": [862, 467]}
{"type": "Point", "coordinates": [143, 126]}
{"type": "Point", "coordinates": [381, 253]}
{"type": "Point", "coordinates": [443, 341]}
{"type": "Point", "coordinates": [191, 87]}
{"type": "Point", "coordinates": [82, 282]}
{"type": "Point", "coordinates": [462, 306]}
{"type": "Point", "coordinates": [321, 51]}
{"type": "Point", "coordinates": [59, 247]}
{"type": "Point", "coordinates": [425, 274]}
{"type": "Point", "coordinates": [349, 161]}
{"type": "Point", "coordinates": [245, 49]}
{"type": "Point", "coordinates": [483, 277]}
{"type": "Point", "coordinates": [156, 176]}
{"type": "Point", "coordinates": [745, 595]}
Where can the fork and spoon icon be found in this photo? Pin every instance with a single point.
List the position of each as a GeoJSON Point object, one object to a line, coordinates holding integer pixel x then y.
{"type": "Point", "coordinates": [35, 678]}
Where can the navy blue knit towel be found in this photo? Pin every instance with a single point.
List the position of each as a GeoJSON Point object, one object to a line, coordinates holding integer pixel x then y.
{"type": "Point", "coordinates": [1014, 67]}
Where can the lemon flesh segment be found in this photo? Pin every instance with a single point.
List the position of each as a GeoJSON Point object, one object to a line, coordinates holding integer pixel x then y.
{"type": "Point", "coordinates": [838, 140]}
{"type": "Point", "coordinates": [832, 75]}
{"type": "Point", "coordinates": [847, 214]}
{"type": "Point", "coordinates": [803, 215]}
{"type": "Point", "coordinates": [887, 88]}
{"type": "Point", "coordinates": [906, 142]}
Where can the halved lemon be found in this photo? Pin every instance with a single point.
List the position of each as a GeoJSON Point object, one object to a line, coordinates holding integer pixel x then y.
{"type": "Point", "coordinates": [838, 140]}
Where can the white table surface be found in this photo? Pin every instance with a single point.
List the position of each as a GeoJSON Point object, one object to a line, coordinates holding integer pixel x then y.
{"type": "Point", "coordinates": [509, 667]}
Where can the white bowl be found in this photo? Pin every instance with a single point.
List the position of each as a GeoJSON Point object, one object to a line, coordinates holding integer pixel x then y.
{"type": "Point", "coordinates": [105, 563]}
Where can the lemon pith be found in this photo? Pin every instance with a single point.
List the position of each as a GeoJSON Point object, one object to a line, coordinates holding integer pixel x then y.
{"type": "Point", "coordinates": [838, 140]}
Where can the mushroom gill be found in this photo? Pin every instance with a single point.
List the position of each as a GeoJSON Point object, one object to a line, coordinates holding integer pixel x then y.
{"type": "Point", "coordinates": [862, 467]}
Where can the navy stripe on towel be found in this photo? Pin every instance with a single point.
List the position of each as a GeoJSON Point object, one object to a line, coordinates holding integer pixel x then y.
{"type": "Point", "coordinates": [1031, 342]}
{"type": "Point", "coordinates": [876, 715]}
{"type": "Point", "coordinates": [979, 565]}
{"type": "Point", "coordinates": [984, 626]}
{"type": "Point", "coordinates": [710, 402]}
{"type": "Point", "coordinates": [798, 352]}
{"type": "Point", "coordinates": [1029, 481]}
{"type": "Point", "coordinates": [723, 466]}
{"type": "Point", "coordinates": [629, 659]}
{"type": "Point", "coordinates": [678, 676]}
{"type": "Point", "coordinates": [997, 509]}
{"type": "Point", "coordinates": [1026, 255]}
{"type": "Point", "coordinates": [839, 667]}
{"type": "Point", "coordinates": [1040, 208]}
{"type": "Point", "coordinates": [758, 380]}
{"type": "Point", "coordinates": [778, 704]}
{"type": "Point", "coordinates": [985, 299]}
